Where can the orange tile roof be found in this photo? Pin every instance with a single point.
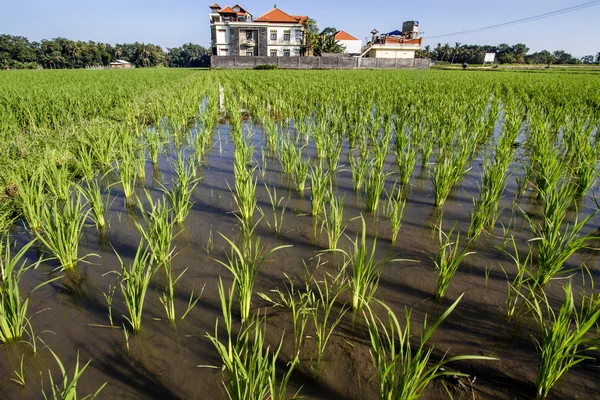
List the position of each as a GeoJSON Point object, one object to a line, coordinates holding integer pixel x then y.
{"type": "Point", "coordinates": [215, 6]}
{"type": "Point", "coordinates": [276, 15]}
{"type": "Point", "coordinates": [227, 10]}
{"type": "Point", "coordinates": [301, 18]}
{"type": "Point", "coordinates": [341, 35]}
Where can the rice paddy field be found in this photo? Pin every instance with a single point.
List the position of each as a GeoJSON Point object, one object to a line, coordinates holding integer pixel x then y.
{"type": "Point", "coordinates": [193, 234]}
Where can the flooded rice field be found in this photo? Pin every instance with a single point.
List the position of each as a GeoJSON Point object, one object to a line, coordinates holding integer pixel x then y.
{"type": "Point", "coordinates": [319, 314]}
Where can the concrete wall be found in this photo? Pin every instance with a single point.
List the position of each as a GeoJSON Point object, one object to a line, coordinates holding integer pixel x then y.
{"type": "Point", "coordinates": [232, 62]}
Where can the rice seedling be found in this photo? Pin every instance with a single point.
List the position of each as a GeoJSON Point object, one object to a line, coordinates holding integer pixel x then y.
{"type": "Point", "coordinates": [448, 259]}
{"type": "Point", "coordinates": [7, 215]}
{"type": "Point", "coordinates": [359, 166]}
{"type": "Point", "coordinates": [374, 185]}
{"type": "Point", "coordinates": [556, 239]}
{"type": "Point", "coordinates": [109, 299]}
{"type": "Point", "coordinates": [321, 301]}
{"type": "Point", "coordinates": [407, 160]}
{"type": "Point", "coordinates": [395, 213]}
{"type": "Point", "coordinates": [426, 146]}
{"type": "Point", "coordinates": [183, 187]}
{"type": "Point", "coordinates": [210, 242]}
{"type": "Point", "coordinates": [252, 369]}
{"type": "Point", "coordinates": [485, 209]}
{"type": "Point", "coordinates": [245, 195]}
{"type": "Point", "coordinates": [291, 156]}
{"type": "Point", "coordinates": [245, 266]}
{"type": "Point", "coordinates": [128, 175]}
{"type": "Point", "coordinates": [167, 297]}
{"type": "Point", "coordinates": [366, 272]}
{"type": "Point", "coordinates": [319, 183]}
{"type": "Point", "coordinates": [20, 375]}
{"type": "Point", "coordinates": [562, 341]}
{"type": "Point", "coordinates": [402, 371]}
{"type": "Point", "coordinates": [62, 227]}
{"type": "Point", "coordinates": [57, 178]}
{"type": "Point", "coordinates": [31, 198]}
{"type": "Point", "coordinates": [68, 391]}
{"type": "Point", "coordinates": [154, 144]}
{"type": "Point", "coordinates": [134, 280]}
{"type": "Point", "coordinates": [104, 147]}
{"type": "Point", "coordinates": [297, 301]}
{"type": "Point", "coordinates": [157, 229]}
{"type": "Point", "coordinates": [300, 173]}
{"type": "Point", "coordinates": [13, 304]}
{"type": "Point", "coordinates": [444, 177]}
{"type": "Point", "coordinates": [277, 221]}
{"type": "Point", "coordinates": [519, 282]}
{"type": "Point", "coordinates": [84, 162]}
{"type": "Point", "coordinates": [584, 172]}
{"type": "Point", "coordinates": [333, 149]}
{"type": "Point", "coordinates": [334, 222]}
{"type": "Point", "coordinates": [93, 195]}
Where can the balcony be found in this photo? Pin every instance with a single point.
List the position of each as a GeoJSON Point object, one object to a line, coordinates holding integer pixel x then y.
{"type": "Point", "coordinates": [248, 43]}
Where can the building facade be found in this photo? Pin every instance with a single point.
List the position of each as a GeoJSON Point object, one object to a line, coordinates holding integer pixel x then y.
{"type": "Point", "coordinates": [234, 32]}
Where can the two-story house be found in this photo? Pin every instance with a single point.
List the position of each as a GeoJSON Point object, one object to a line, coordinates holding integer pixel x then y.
{"type": "Point", "coordinates": [234, 32]}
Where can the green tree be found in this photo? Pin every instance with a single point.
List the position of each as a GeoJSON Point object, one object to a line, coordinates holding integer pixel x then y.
{"type": "Point", "coordinates": [589, 59]}
{"type": "Point", "coordinates": [455, 51]}
{"type": "Point", "coordinates": [327, 42]}
{"type": "Point", "coordinates": [311, 36]}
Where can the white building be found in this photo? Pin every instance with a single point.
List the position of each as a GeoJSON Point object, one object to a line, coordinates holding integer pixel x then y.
{"type": "Point", "coordinates": [352, 44]}
{"type": "Point", "coordinates": [395, 44]}
{"type": "Point", "coordinates": [234, 32]}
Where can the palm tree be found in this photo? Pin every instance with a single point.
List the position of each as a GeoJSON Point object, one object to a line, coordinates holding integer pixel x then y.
{"type": "Point", "coordinates": [456, 51]}
{"type": "Point", "coordinates": [427, 50]}
{"type": "Point", "coordinates": [438, 52]}
{"type": "Point", "coordinates": [446, 49]}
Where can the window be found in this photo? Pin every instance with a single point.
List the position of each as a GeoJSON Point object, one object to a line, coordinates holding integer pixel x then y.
{"type": "Point", "coordinates": [249, 53]}
{"type": "Point", "coordinates": [286, 36]}
{"type": "Point", "coordinates": [248, 35]}
{"type": "Point", "coordinates": [286, 52]}
{"type": "Point", "coordinates": [299, 36]}
{"type": "Point", "coordinates": [223, 52]}
{"type": "Point", "coordinates": [297, 52]}
{"type": "Point", "coordinates": [216, 19]}
{"type": "Point", "coordinates": [273, 53]}
{"type": "Point", "coordinates": [273, 35]}
{"type": "Point", "coordinates": [241, 19]}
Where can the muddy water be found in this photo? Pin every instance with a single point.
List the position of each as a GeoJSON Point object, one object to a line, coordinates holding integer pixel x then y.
{"type": "Point", "coordinates": [161, 362]}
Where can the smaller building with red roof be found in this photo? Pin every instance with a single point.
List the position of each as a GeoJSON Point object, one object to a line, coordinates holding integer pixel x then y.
{"type": "Point", "coordinates": [352, 44]}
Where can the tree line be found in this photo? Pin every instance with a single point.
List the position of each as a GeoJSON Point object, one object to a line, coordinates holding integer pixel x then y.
{"type": "Point", "coordinates": [19, 52]}
{"type": "Point", "coordinates": [505, 54]}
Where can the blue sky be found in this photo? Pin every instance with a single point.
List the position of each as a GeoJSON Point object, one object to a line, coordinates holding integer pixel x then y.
{"type": "Point", "coordinates": [171, 24]}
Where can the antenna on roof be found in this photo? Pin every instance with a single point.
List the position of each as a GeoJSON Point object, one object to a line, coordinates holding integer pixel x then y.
{"type": "Point", "coordinates": [275, 5]}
